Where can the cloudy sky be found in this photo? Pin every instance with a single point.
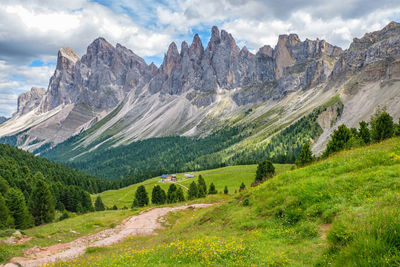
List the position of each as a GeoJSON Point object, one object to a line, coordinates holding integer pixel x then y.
{"type": "Point", "coordinates": [32, 31]}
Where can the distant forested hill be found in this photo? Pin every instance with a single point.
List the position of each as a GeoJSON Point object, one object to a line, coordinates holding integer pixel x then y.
{"type": "Point", "coordinates": [32, 188]}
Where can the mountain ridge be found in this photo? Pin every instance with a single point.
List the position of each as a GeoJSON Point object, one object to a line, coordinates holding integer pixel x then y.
{"type": "Point", "coordinates": [197, 91]}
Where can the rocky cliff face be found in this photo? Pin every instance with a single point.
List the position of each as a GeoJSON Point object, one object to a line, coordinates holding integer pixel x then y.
{"type": "Point", "coordinates": [196, 88]}
{"type": "Point", "coordinates": [30, 100]}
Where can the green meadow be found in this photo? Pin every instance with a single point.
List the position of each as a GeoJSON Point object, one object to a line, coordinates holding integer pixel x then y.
{"type": "Point", "coordinates": [342, 211]}
{"type": "Point", "coordinates": [231, 176]}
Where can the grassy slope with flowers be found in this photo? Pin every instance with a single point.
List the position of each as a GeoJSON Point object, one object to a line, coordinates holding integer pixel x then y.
{"type": "Point", "coordinates": [340, 211]}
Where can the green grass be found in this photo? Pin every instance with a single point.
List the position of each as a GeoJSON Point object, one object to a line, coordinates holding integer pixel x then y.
{"type": "Point", "coordinates": [355, 194]}
{"type": "Point", "coordinates": [231, 177]}
{"type": "Point", "coordinates": [61, 232]}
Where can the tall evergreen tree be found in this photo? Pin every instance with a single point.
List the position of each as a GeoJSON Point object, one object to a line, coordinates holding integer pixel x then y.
{"type": "Point", "coordinates": [305, 156]}
{"type": "Point", "coordinates": [158, 195]}
{"type": "Point", "coordinates": [397, 129]}
{"type": "Point", "coordinates": [86, 201]}
{"type": "Point", "coordinates": [3, 186]}
{"type": "Point", "coordinates": [16, 204]}
{"type": "Point", "coordinates": [193, 191]}
{"type": "Point", "coordinates": [141, 196]}
{"type": "Point", "coordinates": [202, 187]}
{"type": "Point", "coordinates": [4, 214]}
{"type": "Point", "coordinates": [171, 196]}
{"type": "Point", "coordinates": [98, 204]}
{"type": "Point", "coordinates": [381, 126]}
{"type": "Point", "coordinates": [212, 190]}
{"type": "Point", "coordinates": [265, 169]}
{"type": "Point", "coordinates": [364, 132]}
{"type": "Point", "coordinates": [42, 202]}
{"type": "Point", "coordinates": [179, 196]}
{"type": "Point", "coordinates": [339, 140]}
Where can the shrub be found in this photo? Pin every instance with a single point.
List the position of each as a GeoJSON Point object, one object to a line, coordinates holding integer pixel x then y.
{"type": "Point", "coordinates": [64, 216]}
{"type": "Point", "coordinates": [226, 190]}
{"type": "Point", "coordinates": [242, 187]}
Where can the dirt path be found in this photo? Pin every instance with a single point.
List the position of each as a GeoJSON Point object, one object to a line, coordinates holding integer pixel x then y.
{"type": "Point", "coordinates": [143, 224]}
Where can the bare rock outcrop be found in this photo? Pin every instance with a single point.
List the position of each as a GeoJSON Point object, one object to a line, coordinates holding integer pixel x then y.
{"type": "Point", "coordinates": [30, 100]}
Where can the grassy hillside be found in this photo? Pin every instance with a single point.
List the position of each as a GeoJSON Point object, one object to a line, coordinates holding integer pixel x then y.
{"type": "Point", "coordinates": [231, 177]}
{"type": "Point", "coordinates": [340, 211]}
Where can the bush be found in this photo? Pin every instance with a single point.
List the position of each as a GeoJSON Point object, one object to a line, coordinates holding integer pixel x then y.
{"type": "Point", "coordinates": [226, 190]}
{"type": "Point", "coordinates": [64, 216]}
{"type": "Point", "coordinates": [242, 187]}
{"type": "Point", "coordinates": [246, 202]}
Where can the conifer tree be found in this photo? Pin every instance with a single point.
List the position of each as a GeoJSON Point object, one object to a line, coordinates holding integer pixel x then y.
{"type": "Point", "coordinates": [397, 129]}
{"type": "Point", "coordinates": [42, 202]}
{"type": "Point", "coordinates": [193, 191]}
{"type": "Point", "coordinates": [226, 190]}
{"type": "Point", "coordinates": [16, 204]}
{"type": "Point", "coordinates": [141, 196]}
{"type": "Point", "coordinates": [212, 190]}
{"type": "Point", "coordinates": [4, 213]}
{"type": "Point", "coordinates": [381, 126]}
{"type": "Point", "coordinates": [364, 132]}
{"type": "Point", "coordinates": [305, 156]}
{"type": "Point", "coordinates": [3, 186]}
{"type": "Point", "coordinates": [202, 187]}
{"type": "Point", "coordinates": [339, 140]}
{"type": "Point", "coordinates": [158, 195]}
{"type": "Point", "coordinates": [265, 169]}
{"type": "Point", "coordinates": [179, 196]}
{"type": "Point", "coordinates": [171, 196]}
{"type": "Point", "coordinates": [98, 204]}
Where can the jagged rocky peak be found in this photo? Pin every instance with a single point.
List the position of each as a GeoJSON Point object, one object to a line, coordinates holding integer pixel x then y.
{"type": "Point", "coordinates": [171, 59]}
{"type": "Point", "coordinates": [390, 30]}
{"type": "Point", "coordinates": [153, 68]}
{"type": "Point", "coordinates": [196, 48]}
{"type": "Point", "coordinates": [266, 50]}
{"type": "Point", "coordinates": [30, 100]}
{"type": "Point", "coordinates": [66, 58]}
{"type": "Point", "coordinates": [290, 50]}
{"type": "Point", "coordinates": [378, 46]}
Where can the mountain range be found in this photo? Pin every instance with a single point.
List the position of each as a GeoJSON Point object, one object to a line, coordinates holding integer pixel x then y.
{"type": "Point", "coordinates": [111, 98]}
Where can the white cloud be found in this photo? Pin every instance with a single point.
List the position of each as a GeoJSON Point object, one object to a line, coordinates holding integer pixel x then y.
{"type": "Point", "coordinates": [36, 29]}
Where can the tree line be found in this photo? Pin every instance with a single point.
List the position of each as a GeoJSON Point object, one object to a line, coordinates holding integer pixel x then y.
{"type": "Point", "coordinates": [33, 188]}
{"type": "Point", "coordinates": [174, 193]}
{"type": "Point", "coordinates": [380, 127]}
